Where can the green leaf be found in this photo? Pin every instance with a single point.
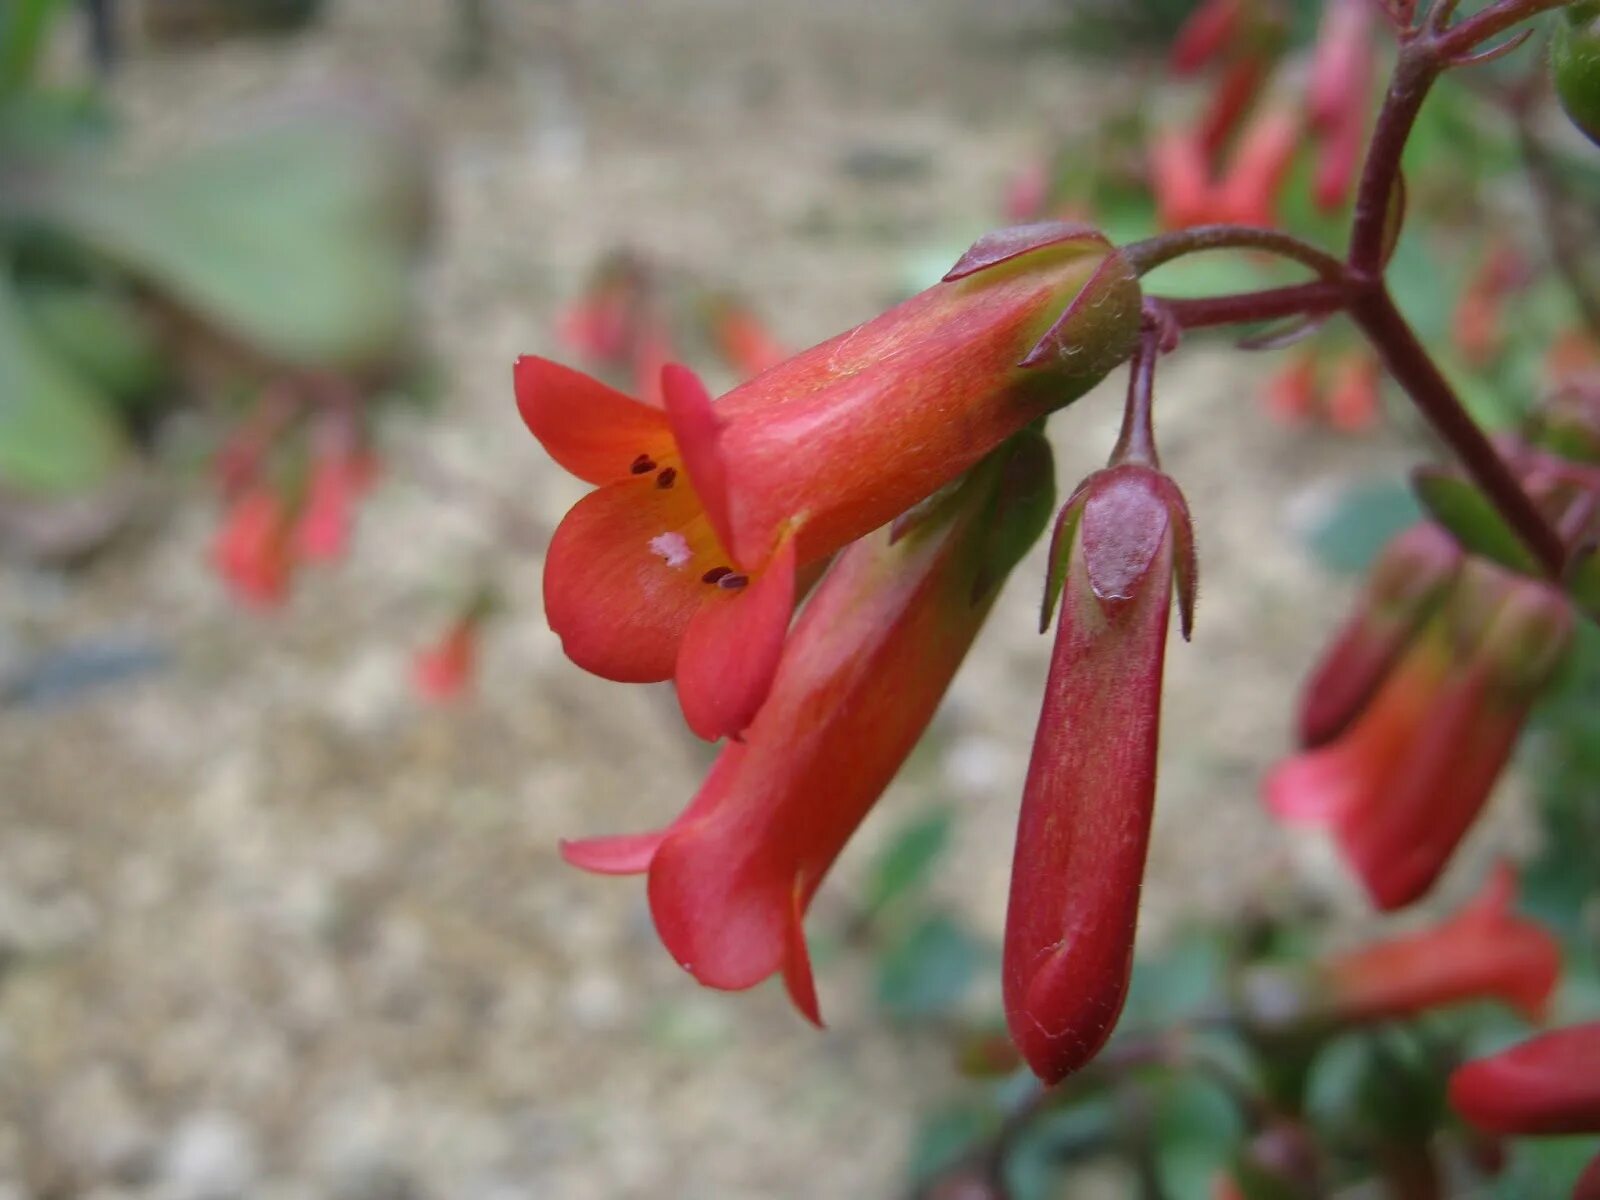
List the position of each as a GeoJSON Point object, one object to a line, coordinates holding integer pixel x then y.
{"type": "Point", "coordinates": [948, 1133]}
{"type": "Point", "coordinates": [905, 863]}
{"type": "Point", "coordinates": [1185, 977]}
{"type": "Point", "coordinates": [927, 972]}
{"type": "Point", "coordinates": [1198, 1131]}
{"type": "Point", "coordinates": [1543, 1167]}
{"type": "Point", "coordinates": [1468, 514]}
{"type": "Point", "coordinates": [102, 335]}
{"type": "Point", "coordinates": [1045, 1148]}
{"type": "Point", "coordinates": [296, 238]}
{"type": "Point", "coordinates": [24, 31]}
{"type": "Point", "coordinates": [1361, 522]}
{"type": "Point", "coordinates": [56, 434]}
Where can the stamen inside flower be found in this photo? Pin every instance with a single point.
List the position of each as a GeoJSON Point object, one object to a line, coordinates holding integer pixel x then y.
{"type": "Point", "coordinates": [668, 476]}
{"type": "Point", "coordinates": [715, 574]}
{"type": "Point", "coordinates": [732, 582]}
{"type": "Point", "coordinates": [642, 465]}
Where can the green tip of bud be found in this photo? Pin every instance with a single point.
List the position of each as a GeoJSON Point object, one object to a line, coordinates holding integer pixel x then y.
{"type": "Point", "coordinates": [1004, 245]}
{"type": "Point", "coordinates": [1575, 68]}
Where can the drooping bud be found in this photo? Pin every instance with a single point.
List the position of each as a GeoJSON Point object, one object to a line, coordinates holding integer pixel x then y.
{"type": "Point", "coordinates": [1121, 544]}
{"type": "Point", "coordinates": [1549, 1084]}
{"type": "Point", "coordinates": [1411, 578]}
{"type": "Point", "coordinates": [1484, 952]}
{"type": "Point", "coordinates": [253, 550]}
{"type": "Point", "coordinates": [1402, 785]}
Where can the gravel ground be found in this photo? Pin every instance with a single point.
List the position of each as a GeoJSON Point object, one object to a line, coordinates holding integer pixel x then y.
{"type": "Point", "coordinates": [270, 929]}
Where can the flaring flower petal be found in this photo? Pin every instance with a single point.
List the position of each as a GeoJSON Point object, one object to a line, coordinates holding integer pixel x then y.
{"type": "Point", "coordinates": [696, 429]}
{"type": "Point", "coordinates": [731, 649]}
{"type": "Point", "coordinates": [624, 575]}
{"type": "Point", "coordinates": [592, 430]}
{"type": "Point", "coordinates": [620, 854]}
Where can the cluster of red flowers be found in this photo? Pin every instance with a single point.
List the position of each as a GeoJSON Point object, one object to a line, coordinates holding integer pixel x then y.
{"type": "Point", "coordinates": [898, 463]}
{"type": "Point", "coordinates": [290, 476]}
{"type": "Point", "coordinates": [1240, 41]}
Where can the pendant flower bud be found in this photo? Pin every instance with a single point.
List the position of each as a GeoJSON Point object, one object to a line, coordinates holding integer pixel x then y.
{"type": "Point", "coordinates": [340, 473]}
{"type": "Point", "coordinates": [1484, 952]}
{"type": "Point", "coordinates": [682, 563]}
{"type": "Point", "coordinates": [859, 679]}
{"type": "Point", "coordinates": [1412, 577]}
{"type": "Point", "coordinates": [253, 552]}
{"type": "Point", "coordinates": [1405, 781]}
{"type": "Point", "coordinates": [1122, 546]}
{"type": "Point", "coordinates": [1338, 96]}
{"type": "Point", "coordinates": [1549, 1084]}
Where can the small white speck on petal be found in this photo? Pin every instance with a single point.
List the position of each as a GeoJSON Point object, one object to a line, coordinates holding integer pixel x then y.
{"type": "Point", "coordinates": [673, 547]}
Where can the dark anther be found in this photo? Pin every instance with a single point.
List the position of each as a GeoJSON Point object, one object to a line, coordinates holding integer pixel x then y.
{"type": "Point", "coordinates": [732, 582]}
{"type": "Point", "coordinates": [668, 476]}
{"type": "Point", "coordinates": [643, 465]}
{"type": "Point", "coordinates": [716, 574]}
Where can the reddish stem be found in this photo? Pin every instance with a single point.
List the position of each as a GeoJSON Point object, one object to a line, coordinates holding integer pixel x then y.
{"type": "Point", "coordinates": [1375, 312]}
{"type": "Point", "coordinates": [1269, 304]}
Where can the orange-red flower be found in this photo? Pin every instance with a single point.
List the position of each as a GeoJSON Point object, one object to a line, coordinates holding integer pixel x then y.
{"type": "Point", "coordinates": [253, 552]}
{"type": "Point", "coordinates": [1409, 581]}
{"type": "Point", "coordinates": [1338, 96]}
{"type": "Point", "coordinates": [444, 670]}
{"type": "Point", "coordinates": [1549, 1084]}
{"type": "Point", "coordinates": [870, 657]}
{"type": "Point", "coordinates": [1086, 808]}
{"type": "Point", "coordinates": [1403, 783]}
{"type": "Point", "coordinates": [742, 338]}
{"type": "Point", "coordinates": [682, 563]}
{"type": "Point", "coordinates": [1484, 952]}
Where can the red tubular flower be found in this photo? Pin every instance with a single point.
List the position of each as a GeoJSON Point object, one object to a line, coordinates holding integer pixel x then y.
{"type": "Point", "coordinates": [252, 551]}
{"type": "Point", "coordinates": [1339, 94]}
{"type": "Point", "coordinates": [1547, 1085]}
{"type": "Point", "coordinates": [1180, 177]}
{"type": "Point", "coordinates": [1249, 193]}
{"type": "Point", "coordinates": [1235, 91]}
{"type": "Point", "coordinates": [1353, 397]}
{"type": "Point", "coordinates": [1401, 786]}
{"type": "Point", "coordinates": [339, 475]}
{"type": "Point", "coordinates": [602, 326]}
{"type": "Point", "coordinates": [681, 564]}
{"type": "Point", "coordinates": [1409, 581]}
{"type": "Point", "coordinates": [1291, 392]}
{"type": "Point", "coordinates": [1210, 28]}
{"type": "Point", "coordinates": [1484, 952]}
{"type": "Point", "coordinates": [742, 339]}
{"type": "Point", "coordinates": [871, 655]}
{"type": "Point", "coordinates": [445, 670]}
{"type": "Point", "coordinates": [1090, 793]}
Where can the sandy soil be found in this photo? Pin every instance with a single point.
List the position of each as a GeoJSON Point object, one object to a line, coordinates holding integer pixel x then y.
{"type": "Point", "coordinates": [270, 929]}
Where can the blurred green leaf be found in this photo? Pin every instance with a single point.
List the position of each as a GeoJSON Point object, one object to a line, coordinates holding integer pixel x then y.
{"type": "Point", "coordinates": [1185, 977]}
{"type": "Point", "coordinates": [927, 971]}
{"type": "Point", "coordinates": [1467, 513]}
{"type": "Point", "coordinates": [1198, 1130]}
{"type": "Point", "coordinates": [906, 862]}
{"type": "Point", "coordinates": [24, 32]}
{"type": "Point", "coordinates": [1058, 1139]}
{"type": "Point", "coordinates": [295, 237]}
{"type": "Point", "coordinates": [1361, 522]}
{"type": "Point", "coordinates": [1544, 1167]}
{"type": "Point", "coordinates": [947, 1133]}
{"type": "Point", "coordinates": [56, 433]}
{"type": "Point", "coordinates": [103, 336]}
